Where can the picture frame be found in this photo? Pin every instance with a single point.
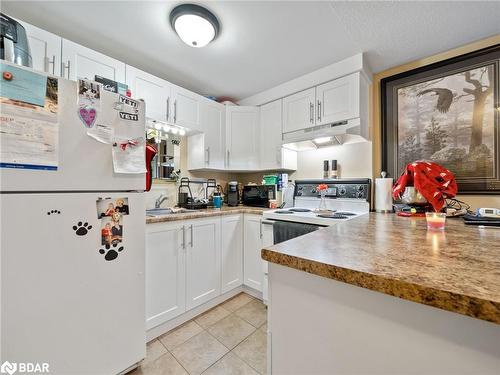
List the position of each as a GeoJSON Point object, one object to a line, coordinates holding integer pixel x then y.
{"type": "Point", "coordinates": [447, 112]}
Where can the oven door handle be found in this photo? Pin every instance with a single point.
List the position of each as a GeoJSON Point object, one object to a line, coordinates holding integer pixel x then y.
{"type": "Point", "coordinates": [270, 222]}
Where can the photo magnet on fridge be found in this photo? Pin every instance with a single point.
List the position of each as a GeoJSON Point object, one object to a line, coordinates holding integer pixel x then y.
{"type": "Point", "coordinates": [107, 207]}
{"type": "Point", "coordinates": [107, 84]}
{"type": "Point", "coordinates": [89, 101]}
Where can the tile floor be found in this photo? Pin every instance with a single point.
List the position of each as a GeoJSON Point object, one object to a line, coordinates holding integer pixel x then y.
{"type": "Point", "coordinates": [229, 339]}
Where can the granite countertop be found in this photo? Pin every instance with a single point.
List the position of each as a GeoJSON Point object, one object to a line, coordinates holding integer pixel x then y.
{"type": "Point", "coordinates": [207, 212]}
{"type": "Point", "coordinates": [456, 270]}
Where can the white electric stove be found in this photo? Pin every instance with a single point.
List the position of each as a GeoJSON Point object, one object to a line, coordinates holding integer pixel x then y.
{"type": "Point", "coordinates": [345, 199]}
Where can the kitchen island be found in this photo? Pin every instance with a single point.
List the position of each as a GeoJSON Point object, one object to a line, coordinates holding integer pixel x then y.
{"type": "Point", "coordinates": [382, 294]}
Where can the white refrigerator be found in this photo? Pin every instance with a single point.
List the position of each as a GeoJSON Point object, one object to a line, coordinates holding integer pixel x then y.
{"type": "Point", "coordinates": [70, 296]}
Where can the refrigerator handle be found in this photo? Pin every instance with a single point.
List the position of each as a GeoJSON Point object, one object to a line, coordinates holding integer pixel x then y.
{"type": "Point", "coordinates": [183, 236]}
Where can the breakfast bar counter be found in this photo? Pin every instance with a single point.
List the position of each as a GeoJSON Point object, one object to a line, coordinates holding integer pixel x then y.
{"type": "Point", "coordinates": [340, 284]}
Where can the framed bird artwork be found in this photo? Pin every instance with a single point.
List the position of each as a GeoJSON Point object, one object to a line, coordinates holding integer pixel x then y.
{"type": "Point", "coordinates": [449, 113]}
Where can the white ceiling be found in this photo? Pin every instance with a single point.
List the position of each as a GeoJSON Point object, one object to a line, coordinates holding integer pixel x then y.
{"type": "Point", "coordinates": [263, 43]}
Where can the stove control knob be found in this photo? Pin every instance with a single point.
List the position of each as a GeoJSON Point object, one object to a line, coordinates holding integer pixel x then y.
{"type": "Point", "coordinates": [299, 193]}
{"type": "Point", "coordinates": [342, 190]}
{"type": "Point", "coordinates": [360, 194]}
{"type": "Point", "coordinates": [313, 190]}
{"type": "Point", "coordinates": [361, 188]}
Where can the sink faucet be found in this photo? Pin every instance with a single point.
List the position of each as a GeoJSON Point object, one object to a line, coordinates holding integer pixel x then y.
{"type": "Point", "coordinates": [160, 200]}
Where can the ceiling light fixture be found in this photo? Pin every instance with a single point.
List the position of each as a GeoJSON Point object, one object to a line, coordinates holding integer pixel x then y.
{"type": "Point", "coordinates": [195, 25]}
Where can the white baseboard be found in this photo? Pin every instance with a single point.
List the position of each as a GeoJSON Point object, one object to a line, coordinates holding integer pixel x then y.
{"type": "Point", "coordinates": [159, 330]}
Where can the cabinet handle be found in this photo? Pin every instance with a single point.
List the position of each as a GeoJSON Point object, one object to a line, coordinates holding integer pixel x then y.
{"type": "Point", "coordinates": [183, 237]}
{"type": "Point", "coordinates": [207, 160]}
{"type": "Point", "coordinates": [175, 111]}
{"type": "Point", "coordinates": [278, 155]}
{"type": "Point", "coordinates": [319, 110]}
{"type": "Point", "coordinates": [191, 235]}
{"type": "Point", "coordinates": [64, 67]}
{"type": "Point", "coordinates": [168, 108]}
{"type": "Point", "coordinates": [311, 112]}
{"type": "Point", "coordinates": [228, 158]}
{"type": "Point", "coordinates": [48, 62]}
{"type": "Point", "coordinates": [260, 228]}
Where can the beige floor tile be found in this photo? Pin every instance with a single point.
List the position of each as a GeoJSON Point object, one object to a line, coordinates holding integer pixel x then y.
{"type": "Point", "coordinates": [180, 335]}
{"type": "Point", "coordinates": [230, 364]}
{"type": "Point", "coordinates": [212, 316]}
{"type": "Point", "coordinates": [231, 330]}
{"type": "Point", "coordinates": [164, 365]}
{"type": "Point", "coordinates": [264, 328]}
{"type": "Point", "coordinates": [254, 312]}
{"type": "Point", "coordinates": [253, 350]}
{"type": "Point", "coordinates": [236, 302]}
{"type": "Point", "coordinates": [154, 350]}
{"type": "Point", "coordinates": [199, 353]}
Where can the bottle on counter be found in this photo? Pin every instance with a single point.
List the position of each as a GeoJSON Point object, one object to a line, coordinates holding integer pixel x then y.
{"type": "Point", "coordinates": [334, 173]}
{"type": "Point", "coordinates": [325, 169]}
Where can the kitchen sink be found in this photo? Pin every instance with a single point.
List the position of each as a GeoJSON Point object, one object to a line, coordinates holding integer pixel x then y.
{"type": "Point", "coordinates": [167, 211]}
{"type": "Point", "coordinates": [158, 211]}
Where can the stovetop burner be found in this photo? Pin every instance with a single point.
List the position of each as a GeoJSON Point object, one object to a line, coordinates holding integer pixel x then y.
{"type": "Point", "coordinates": [345, 213]}
{"type": "Point", "coordinates": [300, 209]}
{"type": "Point", "coordinates": [283, 212]}
{"type": "Point", "coordinates": [334, 216]}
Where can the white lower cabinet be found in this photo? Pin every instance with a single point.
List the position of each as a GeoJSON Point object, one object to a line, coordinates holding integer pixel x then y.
{"type": "Point", "coordinates": [203, 267]}
{"type": "Point", "coordinates": [165, 273]}
{"type": "Point", "coordinates": [252, 245]}
{"type": "Point", "coordinates": [191, 262]}
{"type": "Point", "coordinates": [232, 252]}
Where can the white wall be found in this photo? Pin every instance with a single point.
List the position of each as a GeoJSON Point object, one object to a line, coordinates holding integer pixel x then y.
{"type": "Point", "coordinates": [354, 160]}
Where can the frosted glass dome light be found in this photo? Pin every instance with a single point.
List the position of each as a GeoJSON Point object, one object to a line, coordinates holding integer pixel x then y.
{"type": "Point", "coordinates": [195, 25]}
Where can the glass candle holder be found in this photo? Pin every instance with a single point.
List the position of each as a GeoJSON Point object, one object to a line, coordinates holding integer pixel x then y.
{"type": "Point", "coordinates": [435, 220]}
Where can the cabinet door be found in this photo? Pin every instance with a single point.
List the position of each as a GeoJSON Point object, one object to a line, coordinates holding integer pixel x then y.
{"type": "Point", "coordinates": [212, 121]}
{"type": "Point", "coordinates": [81, 62]}
{"type": "Point", "coordinates": [232, 252]}
{"type": "Point", "coordinates": [202, 261]}
{"type": "Point", "coordinates": [270, 135]}
{"type": "Point", "coordinates": [45, 49]}
{"type": "Point", "coordinates": [299, 110]}
{"type": "Point", "coordinates": [252, 262]}
{"type": "Point", "coordinates": [242, 137]}
{"type": "Point", "coordinates": [186, 108]}
{"type": "Point", "coordinates": [338, 100]}
{"type": "Point", "coordinates": [165, 273]}
{"type": "Point", "coordinates": [155, 92]}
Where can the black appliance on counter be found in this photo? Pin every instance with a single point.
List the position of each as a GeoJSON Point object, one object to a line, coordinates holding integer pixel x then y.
{"type": "Point", "coordinates": [233, 195]}
{"type": "Point", "coordinates": [258, 195]}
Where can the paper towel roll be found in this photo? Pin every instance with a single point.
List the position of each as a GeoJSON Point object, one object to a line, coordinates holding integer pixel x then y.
{"type": "Point", "coordinates": [383, 194]}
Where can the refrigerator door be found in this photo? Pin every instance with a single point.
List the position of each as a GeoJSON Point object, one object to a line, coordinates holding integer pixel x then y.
{"type": "Point", "coordinates": [62, 302]}
{"type": "Point", "coordinates": [85, 164]}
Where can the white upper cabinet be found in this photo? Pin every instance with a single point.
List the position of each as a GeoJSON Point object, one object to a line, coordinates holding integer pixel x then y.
{"type": "Point", "coordinates": [299, 110]}
{"type": "Point", "coordinates": [232, 252]}
{"type": "Point", "coordinates": [186, 108]}
{"type": "Point", "coordinates": [206, 150]}
{"type": "Point", "coordinates": [203, 263]}
{"type": "Point", "coordinates": [155, 91]}
{"type": "Point", "coordinates": [45, 49]}
{"type": "Point", "coordinates": [272, 155]}
{"type": "Point", "coordinates": [82, 62]}
{"type": "Point", "coordinates": [242, 137]}
{"type": "Point", "coordinates": [338, 100]}
{"type": "Point", "coordinates": [165, 273]}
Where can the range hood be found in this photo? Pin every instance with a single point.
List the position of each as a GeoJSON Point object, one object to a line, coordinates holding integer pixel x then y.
{"type": "Point", "coordinates": [347, 131]}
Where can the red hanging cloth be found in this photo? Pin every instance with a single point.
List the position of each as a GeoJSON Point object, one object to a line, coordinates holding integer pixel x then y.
{"type": "Point", "coordinates": [433, 181]}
